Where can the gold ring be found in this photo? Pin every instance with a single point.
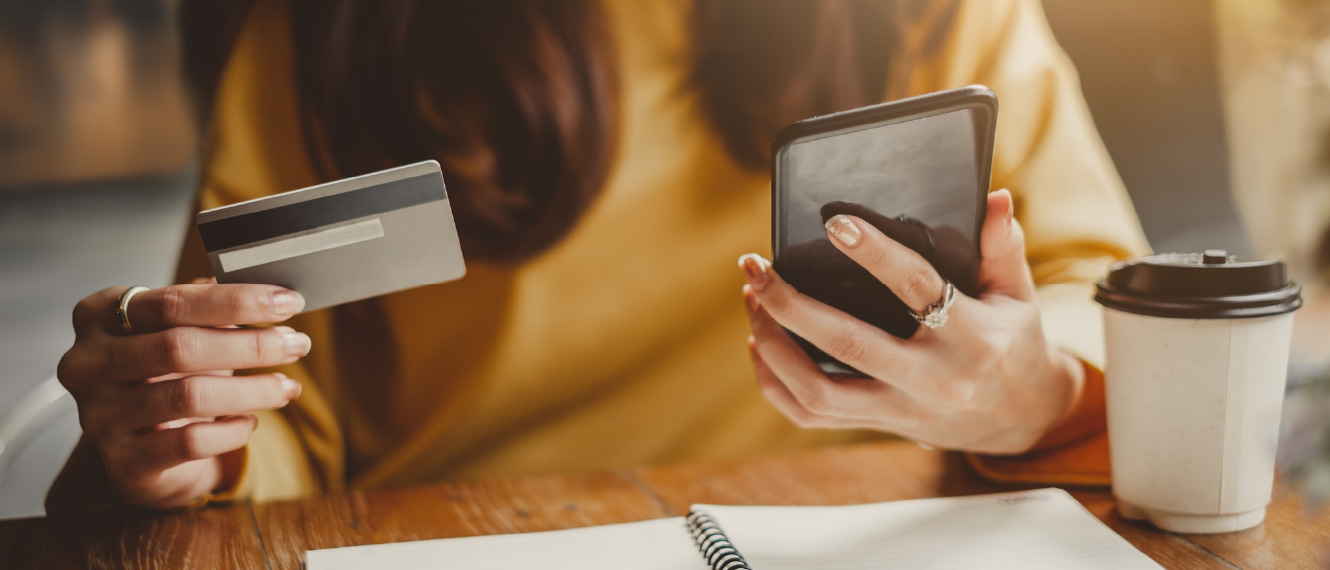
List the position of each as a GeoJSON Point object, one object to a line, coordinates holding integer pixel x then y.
{"type": "Point", "coordinates": [122, 309]}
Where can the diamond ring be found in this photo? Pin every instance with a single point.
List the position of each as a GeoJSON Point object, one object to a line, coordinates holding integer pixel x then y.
{"type": "Point", "coordinates": [935, 315]}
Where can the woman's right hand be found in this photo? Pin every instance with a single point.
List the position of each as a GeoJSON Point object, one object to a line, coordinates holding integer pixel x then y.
{"type": "Point", "coordinates": [161, 405]}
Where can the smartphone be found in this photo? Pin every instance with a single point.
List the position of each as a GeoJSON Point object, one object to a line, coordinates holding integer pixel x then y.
{"type": "Point", "coordinates": [917, 169]}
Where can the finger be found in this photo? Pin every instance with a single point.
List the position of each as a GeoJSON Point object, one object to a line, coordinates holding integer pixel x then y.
{"type": "Point", "coordinates": [1004, 269]}
{"type": "Point", "coordinates": [96, 312]}
{"type": "Point", "coordinates": [204, 281]}
{"type": "Point", "coordinates": [194, 349]}
{"type": "Point", "coordinates": [163, 449]}
{"type": "Point", "coordinates": [750, 301]}
{"type": "Point", "coordinates": [900, 268]}
{"type": "Point", "coordinates": [211, 306]}
{"type": "Point", "coordinates": [204, 396]}
{"type": "Point", "coordinates": [780, 397]}
{"type": "Point", "coordinates": [852, 341]}
{"type": "Point", "coordinates": [848, 399]}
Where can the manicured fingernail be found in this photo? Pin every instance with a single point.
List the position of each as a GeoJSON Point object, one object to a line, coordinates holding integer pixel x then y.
{"type": "Point", "coordinates": [290, 387]}
{"type": "Point", "coordinates": [297, 343]}
{"type": "Point", "coordinates": [750, 301]}
{"type": "Point", "coordinates": [755, 270]}
{"type": "Point", "coordinates": [844, 230]}
{"type": "Point", "coordinates": [286, 302]}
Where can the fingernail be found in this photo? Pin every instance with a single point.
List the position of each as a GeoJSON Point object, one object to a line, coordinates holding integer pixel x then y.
{"type": "Point", "coordinates": [750, 303]}
{"type": "Point", "coordinates": [286, 302]}
{"type": "Point", "coordinates": [253, 423]}
{"type": "Point", "coordinates": [1011, 205]}
{"type": "Point", "coordinates": [844, 230]}
{"type": "Point", "coordinates": [755, 270]}
{"type": "Point", "coordinates": [297, 343]}
{"type": "Point", "coordinates": [290, 387]}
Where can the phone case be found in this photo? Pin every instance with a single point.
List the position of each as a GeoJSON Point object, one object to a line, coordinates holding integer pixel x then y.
{"type": "Point", "coordinates": [889, 313]}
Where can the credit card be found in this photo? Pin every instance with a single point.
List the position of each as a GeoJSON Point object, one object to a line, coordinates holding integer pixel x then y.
{"type": "Point", "coordinates": [342, 241]}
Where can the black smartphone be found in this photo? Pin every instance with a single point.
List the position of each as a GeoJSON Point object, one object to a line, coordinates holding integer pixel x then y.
{"type": "Point", "coordinates": [917, 169]}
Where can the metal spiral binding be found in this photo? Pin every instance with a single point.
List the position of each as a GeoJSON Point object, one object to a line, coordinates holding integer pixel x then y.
{"type": "Point", "coordinates": [711, 541]}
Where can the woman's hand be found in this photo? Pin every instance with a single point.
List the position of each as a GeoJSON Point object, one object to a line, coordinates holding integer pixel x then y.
{"type": "Point", "coordinates": [161, 405]}
{"type": "Point", "coordinates": [986, 381]}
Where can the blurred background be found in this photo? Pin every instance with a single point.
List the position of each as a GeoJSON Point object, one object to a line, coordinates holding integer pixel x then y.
{"type": "Point", "coordinates": [1216, 113]}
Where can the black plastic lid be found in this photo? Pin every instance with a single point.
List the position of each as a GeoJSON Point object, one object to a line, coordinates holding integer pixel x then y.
{"type": "Point", "coordinates": [1210, 285]}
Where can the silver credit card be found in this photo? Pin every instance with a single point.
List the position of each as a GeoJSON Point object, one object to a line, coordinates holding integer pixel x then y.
{"type": "Point", "coordinates": [341, 241]}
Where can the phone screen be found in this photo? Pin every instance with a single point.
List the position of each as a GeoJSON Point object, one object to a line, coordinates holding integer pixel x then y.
{"type": "Point", "coordinates": [921, 182]}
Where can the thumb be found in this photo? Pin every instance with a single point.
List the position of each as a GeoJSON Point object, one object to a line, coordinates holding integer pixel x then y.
{"type": "Point", "coordinates": [1003, 269]}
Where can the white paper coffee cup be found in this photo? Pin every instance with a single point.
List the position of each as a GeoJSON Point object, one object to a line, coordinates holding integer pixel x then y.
{"type": "Point", "coordinates": [1197, 360]}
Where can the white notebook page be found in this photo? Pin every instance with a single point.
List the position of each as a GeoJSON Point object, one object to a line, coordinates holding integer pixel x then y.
{"type": "Point", "coordinates": [661, 544]}
{"type": "Point", "coordinates": [1044, 529]}
{"type": "Point", "coordinates": [1029, 530]}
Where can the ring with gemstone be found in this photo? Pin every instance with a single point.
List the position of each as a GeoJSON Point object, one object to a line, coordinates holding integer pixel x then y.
{"type": "Point", "coordinates": [935, 315]}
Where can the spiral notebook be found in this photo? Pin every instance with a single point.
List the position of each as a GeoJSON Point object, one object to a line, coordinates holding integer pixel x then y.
{"type": "Point", "coordinates": [1044, 528]}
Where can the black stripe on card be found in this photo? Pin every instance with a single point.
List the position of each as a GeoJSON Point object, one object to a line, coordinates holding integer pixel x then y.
{"type": "Point", "coordinates": [319, 212]}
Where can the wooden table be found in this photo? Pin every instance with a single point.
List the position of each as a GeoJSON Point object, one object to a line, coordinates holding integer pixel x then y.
{"type": "Point", "coordinates": [276, 534]}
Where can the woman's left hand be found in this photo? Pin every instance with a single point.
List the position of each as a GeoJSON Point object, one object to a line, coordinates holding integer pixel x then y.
{"type": "Point", "coordinates": [987, 381]}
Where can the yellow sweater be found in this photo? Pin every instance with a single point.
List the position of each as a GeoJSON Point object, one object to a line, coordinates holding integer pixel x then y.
{"type": "Point", "coordinates": [624, 343]}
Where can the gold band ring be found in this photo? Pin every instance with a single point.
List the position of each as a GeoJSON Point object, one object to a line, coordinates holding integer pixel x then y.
{"type": "Point", "coordinates": [122, 309]}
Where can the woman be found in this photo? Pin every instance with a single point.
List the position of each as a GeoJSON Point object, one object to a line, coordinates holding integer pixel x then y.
{"type": "Point", "coordinates": [606, 162]}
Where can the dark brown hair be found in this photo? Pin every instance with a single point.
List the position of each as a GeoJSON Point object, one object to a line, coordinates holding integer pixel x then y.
{"type": "Point", "coordinates": [516, 98]}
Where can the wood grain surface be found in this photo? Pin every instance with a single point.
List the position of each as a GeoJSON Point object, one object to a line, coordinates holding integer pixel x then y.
{"type": "Point", "coordinates": [276, 534]}
{"type": "Point", "coordinates": [446, 510]}
{"type": "Point", "coordinates": [205, 538]}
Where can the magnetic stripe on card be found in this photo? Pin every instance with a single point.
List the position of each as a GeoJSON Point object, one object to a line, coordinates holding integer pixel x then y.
{"type": "Point", "coordinates": [312, 214]}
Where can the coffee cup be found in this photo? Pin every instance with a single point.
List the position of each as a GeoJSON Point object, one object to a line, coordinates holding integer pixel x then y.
{"type": "Point", "coordinates": [1197, 357]}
